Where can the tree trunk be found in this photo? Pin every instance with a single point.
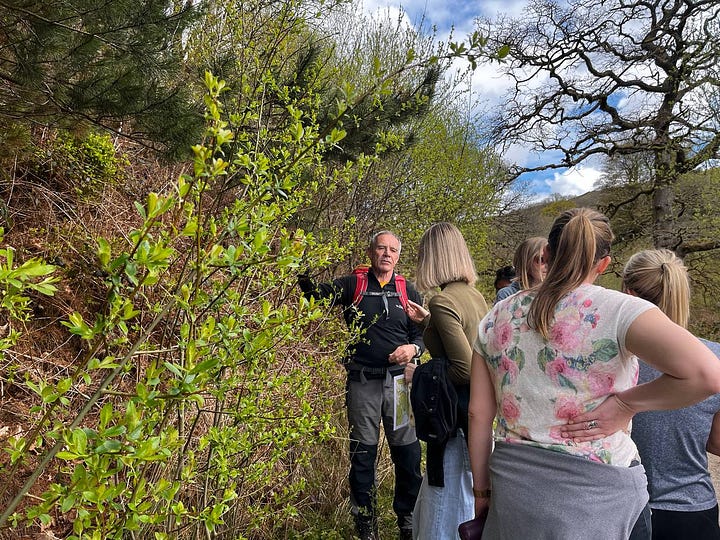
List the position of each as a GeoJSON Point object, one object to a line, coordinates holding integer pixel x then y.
{"type": "Point", "coordinates": [664, 230]}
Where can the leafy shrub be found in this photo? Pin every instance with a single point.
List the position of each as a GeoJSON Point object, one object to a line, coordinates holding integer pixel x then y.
{"type": "Point", "coordinates": [202, 407]}
{"type": "Point", "coordinates": [85, 163]}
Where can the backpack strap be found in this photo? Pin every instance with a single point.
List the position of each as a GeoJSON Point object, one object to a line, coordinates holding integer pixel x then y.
{"type": "Point", "coordinates": [401, 288]}
{"type": "Point", "coordinates": [361, 283]}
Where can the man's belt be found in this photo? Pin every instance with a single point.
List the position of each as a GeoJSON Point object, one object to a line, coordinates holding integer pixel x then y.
{"type": "Point", "coordinates": [359, 372]}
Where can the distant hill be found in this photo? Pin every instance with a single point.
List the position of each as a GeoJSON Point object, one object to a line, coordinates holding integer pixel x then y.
{"type": "Point", "coordinates": [632, 225]}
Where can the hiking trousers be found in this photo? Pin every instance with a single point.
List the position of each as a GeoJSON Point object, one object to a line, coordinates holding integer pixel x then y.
{"type": "Point", "coordinates": [370, 402]}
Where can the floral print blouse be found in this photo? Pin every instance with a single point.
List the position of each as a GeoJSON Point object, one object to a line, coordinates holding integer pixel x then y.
{"type": "Point", "coordinates": [540, 384]}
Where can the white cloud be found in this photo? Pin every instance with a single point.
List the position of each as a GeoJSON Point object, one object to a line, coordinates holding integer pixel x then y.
{"type": "Point", "coordinates": [382, 11]}
{"type": "Point", "coordinates": [446, 14]}
{"type": "Point", "coordinates": [575, 181]}
{"type": "Point", "coordinates": [372, 6]}
{"type": "Point", "coordinates": [489, 83]}
{"type": "Point", "coordinates": [519, 155]}
{"type": "Point", "coordinates": [512, 8]}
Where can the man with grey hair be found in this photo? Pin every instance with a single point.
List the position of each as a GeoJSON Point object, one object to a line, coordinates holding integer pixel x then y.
{"type": "Point", "coordinates": [389, 341]}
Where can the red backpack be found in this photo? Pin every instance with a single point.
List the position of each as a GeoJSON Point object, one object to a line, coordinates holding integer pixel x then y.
{"type": "Point", "coordinates": [361, 274]}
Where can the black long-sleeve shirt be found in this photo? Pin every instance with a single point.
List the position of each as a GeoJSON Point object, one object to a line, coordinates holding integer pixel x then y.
{"type": "Point", "coordinates": [384, 321]}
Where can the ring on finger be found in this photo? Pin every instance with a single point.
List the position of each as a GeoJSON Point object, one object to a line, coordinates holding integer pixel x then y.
{"type": "Point", "coordinates": [591, 424]}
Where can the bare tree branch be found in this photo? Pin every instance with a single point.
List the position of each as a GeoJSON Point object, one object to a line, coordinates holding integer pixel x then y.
{"type": "Point", "coordinates": [618, 77]}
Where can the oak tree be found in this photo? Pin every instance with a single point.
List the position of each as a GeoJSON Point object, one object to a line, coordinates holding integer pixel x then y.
{"type": "Point", "coordinates": [616, 78]}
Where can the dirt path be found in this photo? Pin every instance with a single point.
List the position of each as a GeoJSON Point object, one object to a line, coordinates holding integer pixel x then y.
{"type": "Point", "coordinates": [714, 466]}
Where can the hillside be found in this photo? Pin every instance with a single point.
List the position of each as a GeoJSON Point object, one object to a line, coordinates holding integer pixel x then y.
{"type": "Point", "coordinates": [631, 224]}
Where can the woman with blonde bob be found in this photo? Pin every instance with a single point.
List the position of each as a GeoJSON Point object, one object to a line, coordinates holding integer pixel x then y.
{"type": "Point", "coordinates": [530, 267]}
{"type": "Point", "coordinates": [450, 327]}
{"type": "Point", "coordinates": [557, 365]}
{"type": "Point", "coordinates": [673, 445]}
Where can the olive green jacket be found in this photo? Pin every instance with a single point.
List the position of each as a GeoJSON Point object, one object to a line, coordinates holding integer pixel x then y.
{"type": "Point", "coordinates": [452, 327]}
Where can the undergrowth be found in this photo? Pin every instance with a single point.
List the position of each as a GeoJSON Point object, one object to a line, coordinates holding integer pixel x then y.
{"type": "Point", "coordinates": [175, 384]}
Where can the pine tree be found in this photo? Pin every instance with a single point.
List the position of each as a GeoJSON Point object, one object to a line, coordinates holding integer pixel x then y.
{"type": "Point", "coordinates": [114, 64]}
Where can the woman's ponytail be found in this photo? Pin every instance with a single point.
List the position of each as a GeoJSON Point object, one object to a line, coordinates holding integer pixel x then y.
{"type": "Point", "coordinates": [659, 276]}
{"type": "Point", "coordinates": [578, 239]}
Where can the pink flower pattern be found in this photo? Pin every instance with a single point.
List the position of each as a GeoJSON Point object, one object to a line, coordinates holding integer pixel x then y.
{"type": "Point", "coordinates": [540, 385]}
{"type": "Point", "coordinates": [559, 367]}
{"type": "Point", "coordinates": [567, 407]}
{"type": "Point", "coordinates": [507, 366]}
{"type": "Point", "coordinates": [502, 333]}
{"type": "Point", "coordinates": [567, 333]}
{"type": "Point", "coordinates": [601, 381]}
{"type": "Point", "coordinates": [510, 408]}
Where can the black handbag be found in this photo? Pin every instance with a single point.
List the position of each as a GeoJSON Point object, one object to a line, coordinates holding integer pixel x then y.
{"type": "Point", "coordinates": [434, 402]}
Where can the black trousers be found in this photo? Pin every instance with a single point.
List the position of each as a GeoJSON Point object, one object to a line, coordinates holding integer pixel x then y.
{"type": "Point", "coordinates": [406, 459]}
{"type": "Point", "coordinates": [672, 525]}
{"type": "Point", "coordinates": [370, 402]}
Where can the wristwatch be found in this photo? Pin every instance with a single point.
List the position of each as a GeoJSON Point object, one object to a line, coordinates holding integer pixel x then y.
{"type": "Point", "coordinates": [482, 493]}
{"type": "Point", "coordinates": [418, 351]}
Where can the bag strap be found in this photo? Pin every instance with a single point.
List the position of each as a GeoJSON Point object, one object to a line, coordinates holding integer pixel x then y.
{"type": "Point", "coordinates": [401, 288]}
{"type": "Point", "coordinates": [361, 283]}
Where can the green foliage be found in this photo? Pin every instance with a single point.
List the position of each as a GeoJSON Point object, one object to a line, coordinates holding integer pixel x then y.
{"type": "Point", "coordinates": [88, 162]}
{"type": "Point", "coordinates": [100, 63]}
{"type": "Point", "coordinates": [556, 207]}
{"type": "Point", "coordinates": [449, 176]}
{"type": "Point", "coordinates": [16, 282]}
{"type": "Point", "coordinates": [15, 138]}
{"type": "Point", "coordinates": [215, 429]}
{"type": "Point", "coordinates": [207, 388]}
{"type": "Point", "coordinates": [417, 155]}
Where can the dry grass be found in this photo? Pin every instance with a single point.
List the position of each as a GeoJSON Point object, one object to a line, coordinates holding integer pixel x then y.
{"type": "Point", "coordinates": [45, 218]}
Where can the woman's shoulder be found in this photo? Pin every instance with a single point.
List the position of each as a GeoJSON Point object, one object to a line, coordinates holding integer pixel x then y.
{"type": "Point", "coordinates": [608, 304]}
{"type": "Point", "coordinates": [511, 289]}
{"type": "Point", "coordinates": [456, 294]}
{"type": "Point", "coordinates": [599, 295]}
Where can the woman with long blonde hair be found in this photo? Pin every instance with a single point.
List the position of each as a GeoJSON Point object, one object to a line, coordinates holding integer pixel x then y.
{"type": "Point", "coordinates": [555, 367]}
{"type": "Point", "coordinates": [673, 445]}
{"type": "Point", "coordinates": [530, 267]}
{"type": "Point", "coordinates": [450, 325]}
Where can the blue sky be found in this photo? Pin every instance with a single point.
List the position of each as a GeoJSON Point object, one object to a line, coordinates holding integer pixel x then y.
{"type": "Point", "coordinates": [487, 82]}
